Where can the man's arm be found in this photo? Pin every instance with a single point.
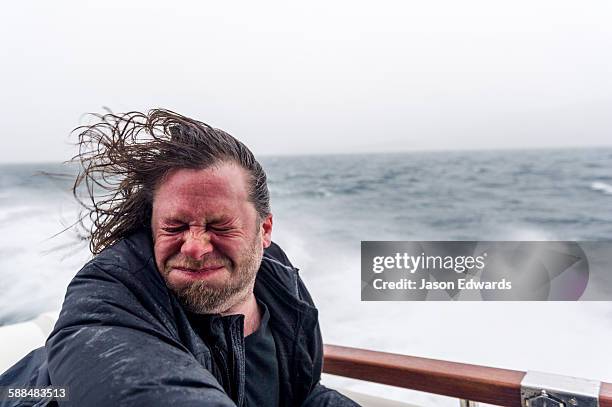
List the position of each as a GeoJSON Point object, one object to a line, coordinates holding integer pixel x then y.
{"type": "Point", "coordinates": [107, 349]}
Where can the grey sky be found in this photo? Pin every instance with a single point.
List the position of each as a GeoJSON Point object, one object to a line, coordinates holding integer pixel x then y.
{"type": "Point", "coordinates": [313, 77]}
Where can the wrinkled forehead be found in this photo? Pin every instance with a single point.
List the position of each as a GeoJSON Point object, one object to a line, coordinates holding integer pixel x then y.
{"type": "Point", "coordinates": [224, 182]}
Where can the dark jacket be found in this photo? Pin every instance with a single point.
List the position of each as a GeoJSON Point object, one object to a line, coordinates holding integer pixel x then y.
{"type": "Point", "coordinates": [123, 339]}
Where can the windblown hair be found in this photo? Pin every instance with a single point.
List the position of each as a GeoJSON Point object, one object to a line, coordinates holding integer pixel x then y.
{"type": "Point", "coordinates": [124, 157]}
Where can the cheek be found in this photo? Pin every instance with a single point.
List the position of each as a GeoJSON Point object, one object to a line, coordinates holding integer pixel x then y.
{"type": "Point", "coordinates": [164, 248]}
{"type": "Point", "coordinates": [230, 247]}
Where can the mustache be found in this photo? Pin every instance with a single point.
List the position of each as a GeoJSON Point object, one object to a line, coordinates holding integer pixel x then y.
{"type": "Point", "coordinates": [191, 263]}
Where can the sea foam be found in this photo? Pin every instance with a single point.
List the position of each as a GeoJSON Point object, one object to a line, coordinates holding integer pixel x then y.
{"type": "Point", "coordinates": [602, 186]}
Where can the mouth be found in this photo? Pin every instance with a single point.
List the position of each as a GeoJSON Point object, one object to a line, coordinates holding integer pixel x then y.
{"type": "Point", "coordinates": [186, 275]}
{"type": "Point", "coordinates": [200, 271]}
{"type": "Point", "coordinates": [205, 269]}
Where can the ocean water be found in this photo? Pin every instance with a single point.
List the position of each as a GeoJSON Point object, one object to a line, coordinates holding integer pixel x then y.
{"type": "Point", "coordinates": [324, 206]}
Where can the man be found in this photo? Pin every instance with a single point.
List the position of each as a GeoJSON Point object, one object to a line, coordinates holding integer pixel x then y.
{"type": "Point", "coordinates": [187, 301]}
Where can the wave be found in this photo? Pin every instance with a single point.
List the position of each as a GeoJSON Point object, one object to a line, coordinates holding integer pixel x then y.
{"type": "Point", "coordinates": [603, 187]}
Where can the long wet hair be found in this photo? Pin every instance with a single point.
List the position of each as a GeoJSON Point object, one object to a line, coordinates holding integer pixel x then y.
{"type": "Point", "coordinates": [124, 157]}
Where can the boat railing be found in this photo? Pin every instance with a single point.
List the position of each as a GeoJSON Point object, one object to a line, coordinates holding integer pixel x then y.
{"type": "Point", "coordinates": [469, 383]}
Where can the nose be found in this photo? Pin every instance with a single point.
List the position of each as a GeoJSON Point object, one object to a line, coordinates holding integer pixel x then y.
{"type": "Point", "coordinates": [196, 244]}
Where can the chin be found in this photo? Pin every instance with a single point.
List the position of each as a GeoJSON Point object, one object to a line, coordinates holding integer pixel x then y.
{"type": "Point", "coordinates": [201, 298]}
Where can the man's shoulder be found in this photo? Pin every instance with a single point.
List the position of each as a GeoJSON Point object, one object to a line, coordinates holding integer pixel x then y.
{"type": "Point", "coordinates": [275, 253]}
{"type": "Point", "coordinates": [133, 252]}
{"type": "Point", "coordinates": [128, 264]}
{"type": "Point", "coordinates": [276, 265]}
{"type": "Point", "coordinates": [118, 287]}
{"type": "Point", "coordinates": [279, 275]}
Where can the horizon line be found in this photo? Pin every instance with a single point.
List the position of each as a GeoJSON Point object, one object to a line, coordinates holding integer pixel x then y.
{"type": "Point", "coordinates": [414, 151]}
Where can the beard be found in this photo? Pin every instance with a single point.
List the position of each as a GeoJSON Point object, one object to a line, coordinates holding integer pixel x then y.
{"type": "Point", "coordinates": [202, 297]}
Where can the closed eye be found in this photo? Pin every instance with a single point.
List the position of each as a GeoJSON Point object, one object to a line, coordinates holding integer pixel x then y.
{"type": "Point", "coordinates": [219, 229]}
{"type": "Point", "coordinates": [175, 229]}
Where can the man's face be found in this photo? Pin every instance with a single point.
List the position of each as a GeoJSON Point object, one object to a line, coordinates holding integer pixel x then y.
{"type": "Point", "coordinates": [207, 238]}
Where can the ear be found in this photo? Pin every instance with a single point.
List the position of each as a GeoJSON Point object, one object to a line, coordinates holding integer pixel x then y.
{"type": "Point", "coordinates": [266, 231]}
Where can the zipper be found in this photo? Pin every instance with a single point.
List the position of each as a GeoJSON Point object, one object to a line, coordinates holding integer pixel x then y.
{"type": "Point", "coordinates": [224, 370]}
{"type": "Point", "coordinates": [237, 341]}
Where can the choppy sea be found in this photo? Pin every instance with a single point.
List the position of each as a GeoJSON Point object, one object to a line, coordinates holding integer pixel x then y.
{"type": "Point", "coordinates": [324, 206]}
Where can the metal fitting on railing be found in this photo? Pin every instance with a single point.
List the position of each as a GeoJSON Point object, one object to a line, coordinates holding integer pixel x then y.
{"type": "Point", "coordinates": [551, 390]}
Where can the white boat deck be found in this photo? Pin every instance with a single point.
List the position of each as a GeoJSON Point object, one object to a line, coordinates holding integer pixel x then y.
{"type": "Point", "coordinates": [17, 340]}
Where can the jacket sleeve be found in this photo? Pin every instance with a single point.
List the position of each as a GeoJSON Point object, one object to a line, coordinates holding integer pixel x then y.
{"type": "Point", "coordinates": [107, 349]}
